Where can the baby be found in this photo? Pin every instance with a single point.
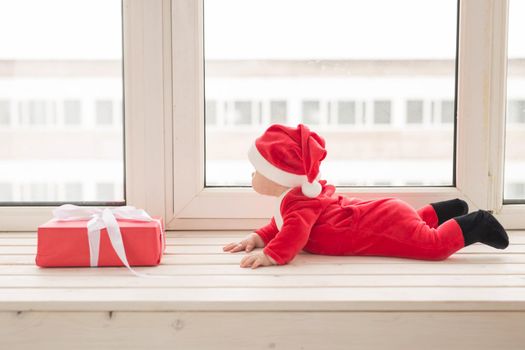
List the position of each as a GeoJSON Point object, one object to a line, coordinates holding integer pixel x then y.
{"type": "Point", "coordinates": [310, 216]}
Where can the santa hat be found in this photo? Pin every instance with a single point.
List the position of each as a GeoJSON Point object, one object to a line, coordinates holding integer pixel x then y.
{"type": "Point", "coordinates": [290, 157]}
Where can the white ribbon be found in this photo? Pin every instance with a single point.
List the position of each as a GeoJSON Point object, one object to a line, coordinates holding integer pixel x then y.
{"type": "Point", "coordinates": [104, 218]}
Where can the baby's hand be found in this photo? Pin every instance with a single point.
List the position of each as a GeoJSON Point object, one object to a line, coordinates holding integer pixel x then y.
{"type": "Point", "coordinates": [257, 259]}
{"type": "Point", "coordinates": [253, 240]}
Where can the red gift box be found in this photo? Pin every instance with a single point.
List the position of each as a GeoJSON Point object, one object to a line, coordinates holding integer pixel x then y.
{"type": "Point", "coordinates": [66, 243]}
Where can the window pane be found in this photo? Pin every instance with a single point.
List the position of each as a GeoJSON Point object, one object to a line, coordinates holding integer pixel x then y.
{"type": "Point", "coordinates": [414, 112]}
{"type": "Point", "coordinates": [241, 113]}
{"type": "Point", "coordinates": [311, 112]}
{"type": "Point", "coordinates": [278, 112]}
{"type": "Point", "coordinates": [72, 191]}
{"type": "Point", "coordinates": [211, 112]}
{"type": "Point", "coordinates": [516, 112]}
{"type": "Point", "coordinates": [447, 112]}
{"type": "Point", "coordinates": [515, 131]}
{"type": "Point", "coordinates": [346, 112]}
{"type": "Point", "coordinates": [355, 66]}
{"type": "Point", "coordinates": [382, 112]}
{"type": "Point", "coordinates": [5, 112]}
{"type": "Point", "coordinates": [60, 88]}
{"type": "Point", "coordinates": [6, 191]}
{"type": "Point", "coordinates": [104, 112]}
{"type": "Point", "coordinates": [72, 112]}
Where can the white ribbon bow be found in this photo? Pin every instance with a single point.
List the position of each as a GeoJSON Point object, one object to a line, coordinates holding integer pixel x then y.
{"type": "Point", "coordinates": [104, 218]}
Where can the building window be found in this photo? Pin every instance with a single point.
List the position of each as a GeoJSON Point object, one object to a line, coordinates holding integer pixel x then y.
{"type": "Point", "coordinates": [278, 111]}
{"type": "Point", "coordinates": [33, 112]}
{"type": "Point", "coordinates": [104, 112]}
{"type": "Point", "coordinates": [346, 112]}
{"type": "Point", "coordinates": [382, 112]}
{"type": "Point", "coordinates": [515, 190]}
{"type": "Point", "coordinates": [311, 112]}
{"type": "Point", "coordinates": [5, 112]}
{"type": "Point", "coordinates": [447, 112]}
{"type": "Point", "coordinates": [72, 112]}
{"type": "Point", "coordinates": [37, 112]}
{"type": "Point", "coordinates": [211, 112]}
{"type": "Point", "coordinates": [38, 192]}
{"type": "Point", "coordinates": [6, 192]}
{"type": "Point", "coordinates": [516, 111]}
{"type": "Point", "coordinates": [105, 191]}
{"type": "Point", "coordinates": [73, 191]}
{"type": "Point", "coordinates": [242, 113]}
{"type": "Point", "coordinates": [414, 112]}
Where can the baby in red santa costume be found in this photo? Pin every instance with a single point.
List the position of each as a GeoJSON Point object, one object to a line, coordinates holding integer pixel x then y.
{"type": "Point", "coordinates": [310, 216]}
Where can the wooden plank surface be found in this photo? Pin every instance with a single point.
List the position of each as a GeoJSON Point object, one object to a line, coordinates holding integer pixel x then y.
{"type": "Point", "coordinates": [215, 249]}
{"type": "Point", "coordinates": [196, 275]}
{"type": "Point", "coordinates": [264, 299]}
{"type": "Point", "coordinates": [263, 330]}
{"type": "Point", "coordinates": [225, 259]}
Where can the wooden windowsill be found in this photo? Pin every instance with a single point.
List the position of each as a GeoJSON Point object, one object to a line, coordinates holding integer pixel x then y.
{"type": "Point", "coordinates": [473, 300]}
{"type": "Point", "coordinates": [202, 277]}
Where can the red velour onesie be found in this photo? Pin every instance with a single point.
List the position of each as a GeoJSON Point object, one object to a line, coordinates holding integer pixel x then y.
{"type": "Point", "coordinates": [332, 224]}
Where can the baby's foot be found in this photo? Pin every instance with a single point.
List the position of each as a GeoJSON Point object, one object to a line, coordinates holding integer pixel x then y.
{"type": "Point", "coordinates": [481, 226]}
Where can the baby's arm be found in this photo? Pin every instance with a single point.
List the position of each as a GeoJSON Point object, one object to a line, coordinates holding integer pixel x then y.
{"type": "Point", "coordinates": [268, 232]}
{"type": "Point", "coordinates": [292, 237]}
{"type": "Point", "coordinates": [257, 239]}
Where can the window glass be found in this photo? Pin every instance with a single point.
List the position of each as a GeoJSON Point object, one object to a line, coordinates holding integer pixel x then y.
{"type": "Point", "coordinates": [278, 112]}
{"type": "Point", "coordinates": [414, 112]}
{"type": "Point", "coordinates": [72, 112]}
{"type": "Point", "coordinates": [104, 112]}
{"type": "Point", "coordinates": [40, 192]}
{"type": "Point", "coordinates": [516, 112]}
{"type": "Point", "coordinates": [105, 191]}
{"type": "Point", "coordinates": [447, 112]}
{"type": "Point", "coordinates": [6, 192]}
{"type": "Point", "coordinates": [311, 112]}
{"type": "Point", "coordinates": [33, 113]}
{"type": "Point", "coordinates": [211, 112]}
{"type": "Point", "coordinates": [514, 179]}
{"type": "Point", "coordinates": [382, 112]}
{"type": "Point", "coordinates": [335, 63]}
{"type": "Point", "coordinates": [5, 112]}
{"type": "Point", "coordinates": [73, 191]}
{"type": "Point", "coordinates": [242, 113]}
{"type": "Point", "coordinates": [346, 112]}
{"type": "Point", "coordinates": [60, 66]}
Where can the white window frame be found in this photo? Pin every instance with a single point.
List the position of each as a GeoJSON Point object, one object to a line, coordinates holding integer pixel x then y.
{"type": "Point", "coordinates": [480, 129]}
{"type": "Point", "coordinates": [147, 86]}
{"type": "Point", "coordinates": [164, 124]}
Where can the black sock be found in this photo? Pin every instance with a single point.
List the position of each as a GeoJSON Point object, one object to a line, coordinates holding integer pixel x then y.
{"type": "Point", "coordinates": [447, 210]}
{"type": "Point", "coordinates": [481, 226]}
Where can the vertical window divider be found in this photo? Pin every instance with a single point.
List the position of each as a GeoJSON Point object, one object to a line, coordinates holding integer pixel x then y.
{"type": "Point", "coordinates": [511, 215]}
{"type": "Point", "coordinates": [473, 101]}
{"type": "Point", "coordinates": [498, 103]}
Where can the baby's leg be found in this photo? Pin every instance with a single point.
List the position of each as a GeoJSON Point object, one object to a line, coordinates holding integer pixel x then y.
{"type": "Point", "coordinates": [434, 214]}
{"type": "Point", "coordinates": [428, 215]}
{"type": "Point", "coordinates": [417, 242]}
{"type": "Point", "coordinates": [447, 210]}
{"type": "Point", "coordinates": [395, 229]}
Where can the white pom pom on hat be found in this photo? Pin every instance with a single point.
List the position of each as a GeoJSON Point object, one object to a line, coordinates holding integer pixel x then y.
{"type": "Point", "coordinates": [290, 157]}
{"type": "Point", "coordinates": [311, 189]}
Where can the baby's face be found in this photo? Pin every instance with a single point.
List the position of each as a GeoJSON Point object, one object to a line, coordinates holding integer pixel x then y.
{"type": "Point", "coordinates": [263, 185]}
